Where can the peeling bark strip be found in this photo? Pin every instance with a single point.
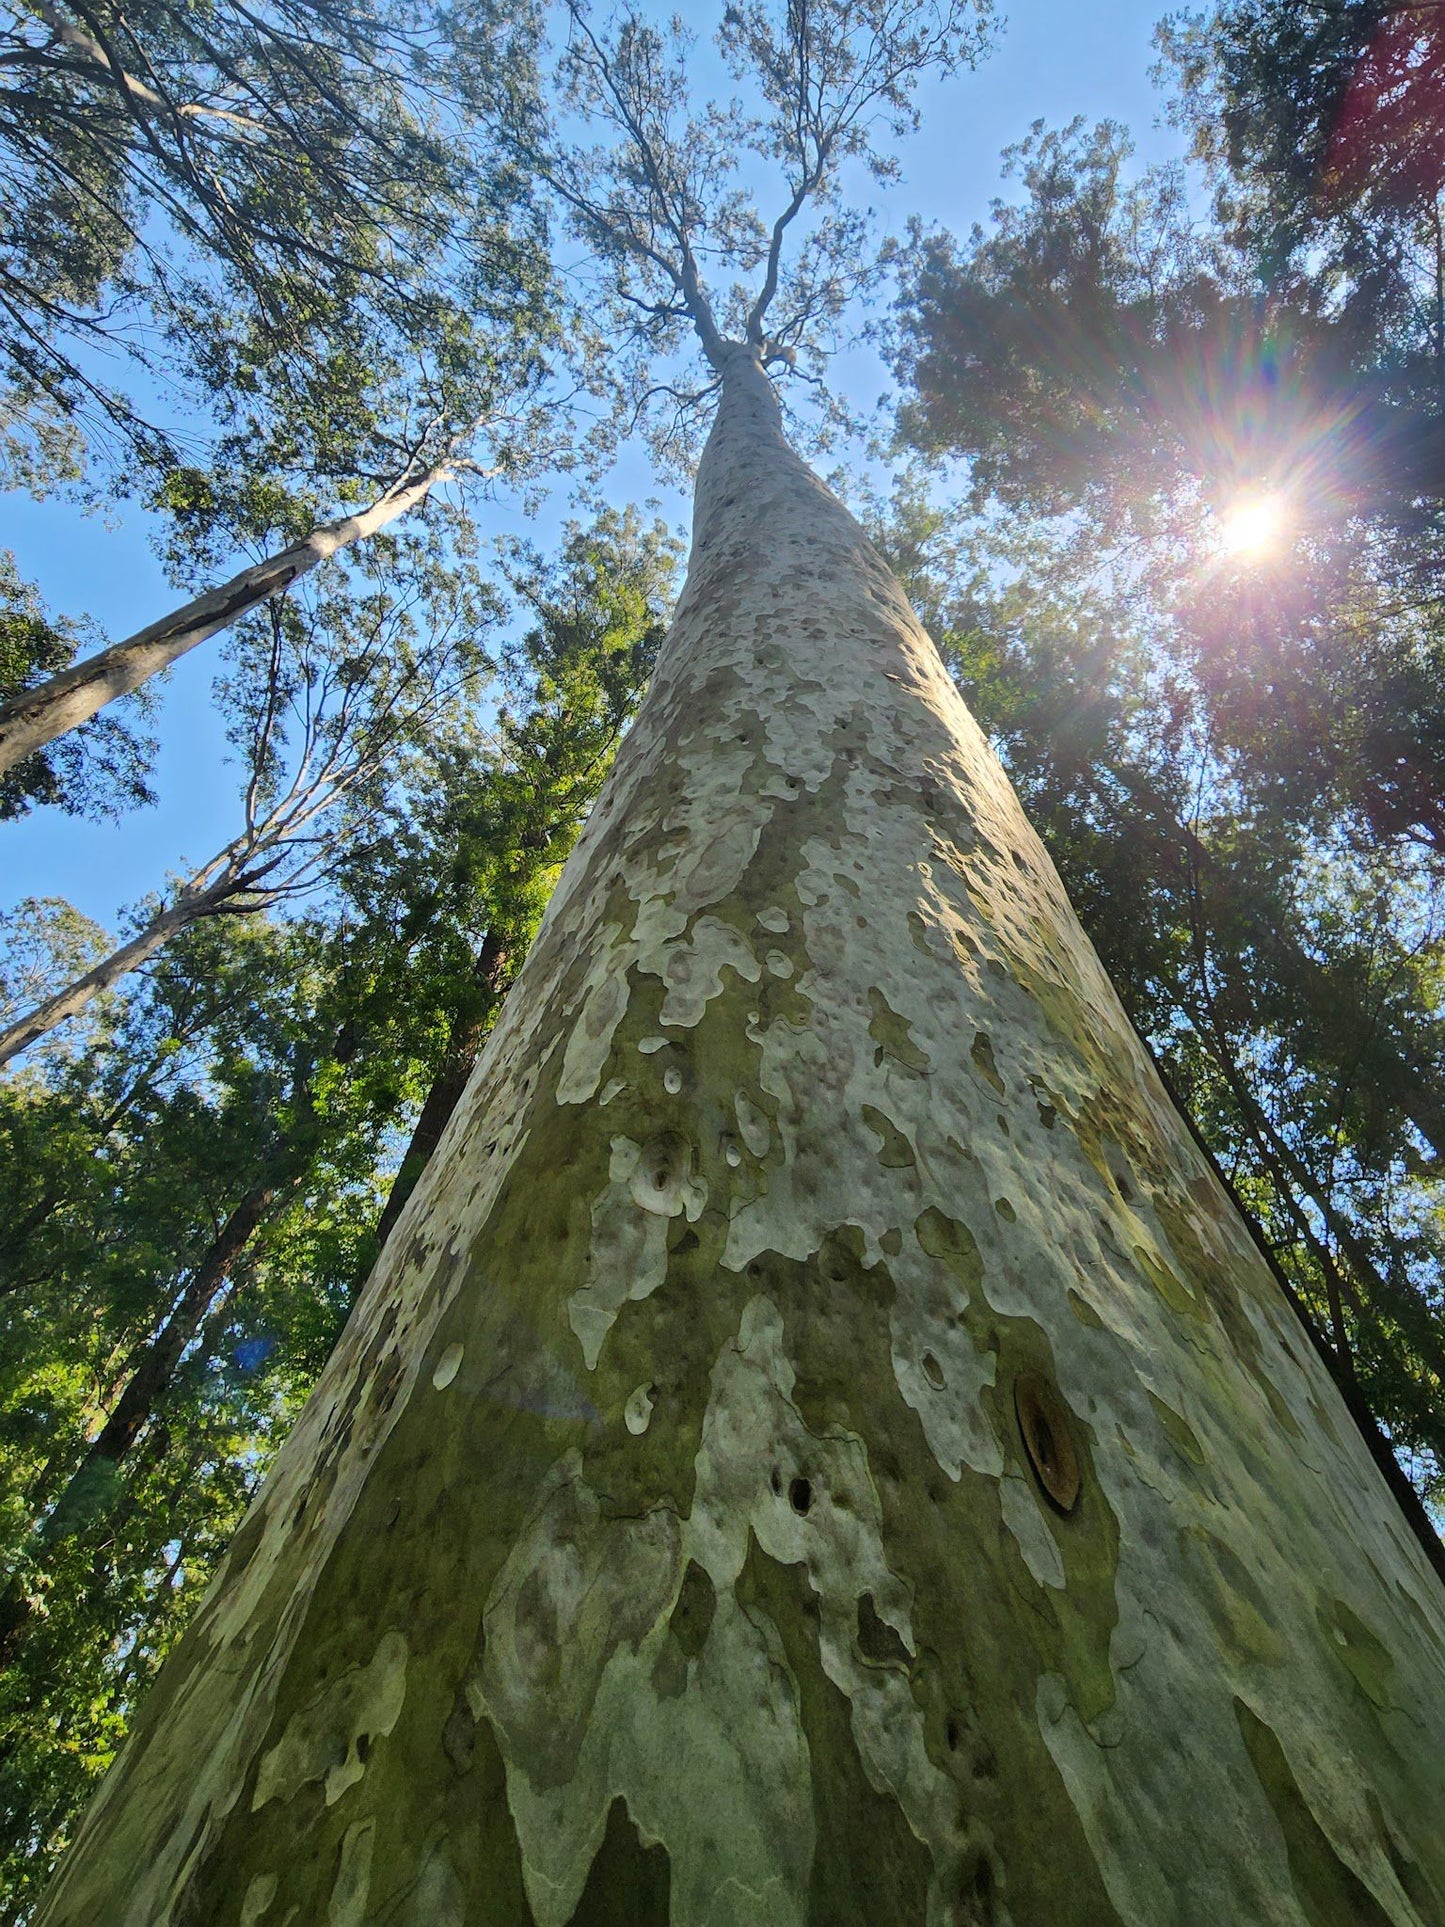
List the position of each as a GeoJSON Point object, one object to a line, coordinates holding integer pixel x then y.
{"type": "Point", "coordinates": [819, 1446]}
{"type": "Point", "coordinates": [37, 716]}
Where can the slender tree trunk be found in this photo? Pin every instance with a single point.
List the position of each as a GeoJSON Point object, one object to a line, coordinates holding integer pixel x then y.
{"type": "Point", "coordinates": [37, 716]}
{"type": "Point", "coordinates": [825, 1447]}
{"type": "Point", "coordinates": [189, 905]}
{"type": "Point", "coordinates": [1296, 1181]}
{"type": "Point", "coordinates": [1408, 1085]}
{"type": "Point", "coordinates": [90, 1488]}
{"type": "Point", "coordinates": [489, 973]}
{"type": "Point", "coordinates": [155, 1366]}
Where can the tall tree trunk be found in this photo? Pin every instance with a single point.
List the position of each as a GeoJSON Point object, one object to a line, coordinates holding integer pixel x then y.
{"type": "Point", "coordinates": [37, 716]}
{"type": "Point", "coordinates": [154, 1366]}
{"type": "Point", "coordinates": [468, 1033]}
{"type": "Point", "coordinates": [823, 1447]}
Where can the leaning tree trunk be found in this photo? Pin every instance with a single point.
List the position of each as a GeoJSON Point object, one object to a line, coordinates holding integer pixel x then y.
{"type": "Point", "coordinates": [89, 1494]}
{"type": "Point", "coordinates": [820, 1446]}
{"type": "Point", "coordinates": [191, 903]}
{"type": "Point", "coordinates": [154, 1366]}
{"type": "Point", "coordinates": [37, 716]}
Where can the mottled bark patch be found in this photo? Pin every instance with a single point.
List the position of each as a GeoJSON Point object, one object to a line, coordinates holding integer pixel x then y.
{"type": "Point", "coordinates": [868, 1865]}
{"type": "Point", "coordinates": [984, 1631]}
{"type": "Point", "coordinates": [1330, 1892]}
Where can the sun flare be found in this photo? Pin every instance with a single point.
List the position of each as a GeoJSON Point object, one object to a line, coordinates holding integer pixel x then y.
{"type": "Point", "coordinates": [1252, 527]}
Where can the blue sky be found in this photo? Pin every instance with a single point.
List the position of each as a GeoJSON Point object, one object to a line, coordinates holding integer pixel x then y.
{"type": "Point", "coordinates": [1055, 59]}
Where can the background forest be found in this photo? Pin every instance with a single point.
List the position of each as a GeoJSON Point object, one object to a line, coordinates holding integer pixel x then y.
{"type": "Point", "coordinates": [1164, 473]}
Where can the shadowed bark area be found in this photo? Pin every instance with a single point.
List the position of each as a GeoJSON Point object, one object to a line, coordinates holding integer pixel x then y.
{"type": "Point", "coordinates": [629, 1883]}
{"type": "Point", "coordinates": [821, 1444]}
{"type": "Point", "coordinates": [867, 1863]}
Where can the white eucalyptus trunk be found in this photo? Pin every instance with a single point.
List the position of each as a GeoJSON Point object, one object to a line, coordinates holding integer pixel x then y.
{"type": "Point", "coordinates": [37, 716]}
{"type": "Point", "coordinates": [820, 1445]}
{"type": "Point", "coordinates": [201, 897]}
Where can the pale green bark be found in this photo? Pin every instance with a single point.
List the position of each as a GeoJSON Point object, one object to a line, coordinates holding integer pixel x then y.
{"type": "Point", "coordinates": [662, 1542]}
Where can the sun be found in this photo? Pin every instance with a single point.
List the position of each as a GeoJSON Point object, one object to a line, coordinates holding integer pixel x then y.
{"type": "Point", "coordinates": [1252, 527]}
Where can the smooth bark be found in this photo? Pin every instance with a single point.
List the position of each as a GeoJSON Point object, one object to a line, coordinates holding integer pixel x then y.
{"type": "Point", "coordinates": [37, 716]}
{"type": "Point", "coordinates": [820, 1444]}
